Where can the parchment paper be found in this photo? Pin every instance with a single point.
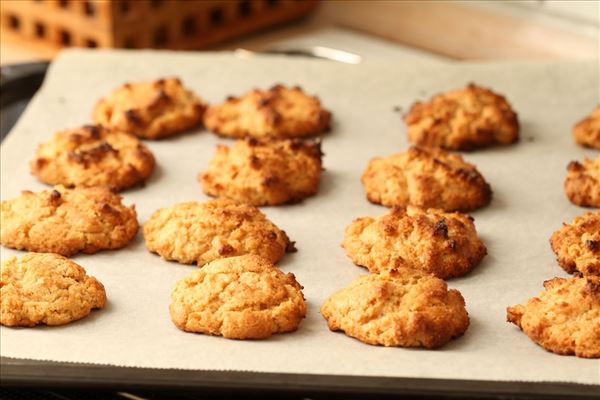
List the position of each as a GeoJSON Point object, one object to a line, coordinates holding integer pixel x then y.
{"type": "Point", "coordinates": [135, 329]}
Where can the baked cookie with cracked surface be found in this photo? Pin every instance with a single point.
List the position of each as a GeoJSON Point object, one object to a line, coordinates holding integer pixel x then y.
{"type": "Point", "coordinates": [464, 119]}
{"type": "Point", "coordinates": [426, 178]}
{"type": "Point", "coordinates": [582, 184]}
{"type": "Point", "coordinates": [46, 288]}
{"type": "Point", "coordinates": [93, 156]}
{"type": "Point", "coordinates": [67, 221]}
{"type": "Point", "coordinates": [264, 172]}
{"type": "Point", "coordinates": [587, 131]}
{"type": "Point", "coordinates": [563, 319]}
{"type": "Point", "coordinates": [403, 307]}
{"type": "Point", "coordinates": [202, 232]}
{"type": "Point", "coordinates": [433, 241]}
{"type": "Point", "coordinates": [577, 246]}
{"type": "Point", "coordinates": [244, 297]}
{"type": "Point", "coordinates": [151, 109]}
{"type": "Point", "coordinates": [277, 112]}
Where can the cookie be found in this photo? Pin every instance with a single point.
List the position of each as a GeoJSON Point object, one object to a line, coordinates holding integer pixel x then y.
{"type": "Point", "coordinates": [577, 246]}
{"type": "Point", "coordinates": [563, 319]}
{"type": "Point", "coordinates": [46, 288]}
{"type": "Point", "coordinates": [426, 178]}
{"type": "Point", "coordinates": [264, 172]}
{"type": "Point", "coordinates": [202, 232]}
{"type": "Point", "coordinates": [587, 131]}
{"type": "Point", "coordinates": [464, 119]}
{"type": "Point", "coordinates": [278, 112]}
{"type": "Point", "coordinates": [150, 109]}
{"type": "Point", "coordinates": [244, 297]}
{"type": "Point", "coordinates": [403, 307]}
{"type": "Point", "coordinates": [67, 221]}
{"type": "Point", "coordinates": [582, 184]}
{"type": "Point", "coordinates": [443, 244]}
{"type": "Point", "coordinates": [93, 156]}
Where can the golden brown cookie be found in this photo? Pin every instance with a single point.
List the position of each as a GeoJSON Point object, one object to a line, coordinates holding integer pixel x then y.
{"type": "Point", "coordinates": [427, 178]}
{"type": "Point", "coordinates": [587, 131]}
{"type": "Point", "coordinates": [202, 232]}
{"type": "Point", "coordinates": [582, 184]}
{"type": "Point", "coordinates": [405, 308]}
{"type": "Point", "coordinates": [278, 112]}
{"type": "Point", "coordinates": [46, 288]}
{"type": "Point", "coordinates": [67, 221]}
{"type": "Point", "coordinates": [150, 109]}
{"type": "Point", "coordinates": [93, 156]}
{"type": "Point", "coordinates": [563, 319]}
{"type": "Point", "coordinates": [264, 172]}
{"type": "Point", "coordinates": [243, 297]}
{"type": "Point", "coordinates": [463, 119]}
{"type": "Point", "coordinates": [577, 246]}
{"type": "Point", "coordinates": [443, 244]}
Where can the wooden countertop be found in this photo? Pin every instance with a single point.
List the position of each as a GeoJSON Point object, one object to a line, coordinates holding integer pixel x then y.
{"type": "Point", "coordinates": [449, 29]}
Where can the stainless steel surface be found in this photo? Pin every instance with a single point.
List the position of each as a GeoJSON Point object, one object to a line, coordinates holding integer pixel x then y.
{"type": "Point", "coordinates": [327, 53]}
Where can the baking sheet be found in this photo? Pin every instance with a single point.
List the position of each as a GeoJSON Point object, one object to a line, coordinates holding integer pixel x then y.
{"type": "Point", "coordinates": [135, 330]}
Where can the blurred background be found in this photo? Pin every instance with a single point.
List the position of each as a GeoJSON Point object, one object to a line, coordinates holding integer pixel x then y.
{"type": "Point", "coordinates": [452, 30]}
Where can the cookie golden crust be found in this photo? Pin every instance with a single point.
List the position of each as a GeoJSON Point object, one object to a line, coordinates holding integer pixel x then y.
{"type": "Point", "coordinates": [264, 172]}
{"type": "Point", "coordinates": [443, 244]}
{"type": "Point", "coordinates": [243, 297]}
{"type": "Point", "coordinates": [563, 319]}
{"type": "Point", "coordinates": [67, 221]}
{"type": "Point", "coordinates": [587, 131]}
{"type": "Point", "coordinates": [151, 109]}
{"type": "Point", "coordinates": [577, 246]}
{"type": "Point", "coordinates": [45, 288]}
{"type": "Point", "coordinates": [582, 184]}
{"type": "Point", "coordinates": [464, 119]}
{"type": "Point", "coordinates": [93, 156]}
{"type": "Point", "coordinates": [426, 178]}
{"type": "Point", "coordinates": [202, 232]}
{"type": "Point", "coordinates": [278, 112]}
{"type": "Point", "coordinates": [405, 308]}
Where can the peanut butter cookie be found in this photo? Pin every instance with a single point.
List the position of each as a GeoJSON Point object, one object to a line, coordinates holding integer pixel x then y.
{"type": "Point", "coordinates": [202, 232]}
{"type": "Point", "coordinates": [67, 221]}
{"type": "Point", "coordinates": [563, 319]}
{"type": "Point", "coordinates": [464, 119]}
{"type": "Point", "coordinates": [243, 297]}
{"type": "Point", "coordinates": [278, 112]}
{"type": "Point", "coordinates": [577, 246]}
{"type": "Point", "coordinates": [405, 308]}
{"type": "Point", "coordinates": [427, 178]}
{"type": "Point", "coordinates": [264, 172]}
{"type": "Point", "coordinates": [443, 244]}
{"type": "Point", "coordinates": [150, 109]}
{"type": "Point", "coordinates": [46, 288]}
{"type": "Point", "coordinates": [582, 184]}
{"type": "Point", "coordinates": [587, 131]}
{"type": "Point", "coordinates": [93, 156]}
